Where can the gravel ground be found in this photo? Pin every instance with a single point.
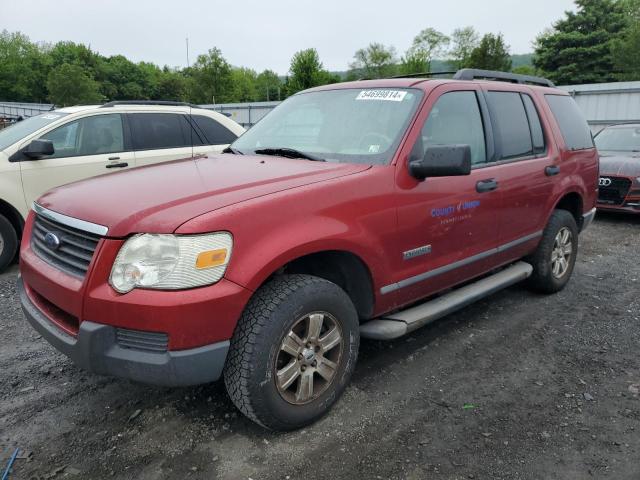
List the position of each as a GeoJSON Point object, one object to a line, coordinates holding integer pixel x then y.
{"type": "Point", "coordinates": [517, 386]}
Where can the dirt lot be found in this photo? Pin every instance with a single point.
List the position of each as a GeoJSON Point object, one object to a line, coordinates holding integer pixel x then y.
{"type": "Point", "coordinates": [517, 386]}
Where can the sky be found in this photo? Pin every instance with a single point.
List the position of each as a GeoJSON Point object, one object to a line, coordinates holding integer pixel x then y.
{"type": "Point", "coordinates": [266, 34]}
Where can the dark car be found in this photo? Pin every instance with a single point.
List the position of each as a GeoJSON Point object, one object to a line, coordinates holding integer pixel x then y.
{"type": "Point", "coordinates": [619, 184]}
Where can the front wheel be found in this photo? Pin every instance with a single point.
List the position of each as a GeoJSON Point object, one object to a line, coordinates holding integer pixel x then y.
{"type": "Point", "coordinates": [555, 258]}
{"type": "Point", "coordinates": [8, 243]}
{"type": "Point", "coordinates": [293, 351]}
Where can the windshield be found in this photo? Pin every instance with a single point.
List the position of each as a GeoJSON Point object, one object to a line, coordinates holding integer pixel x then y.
{"type": "Point", "coordinates": [345, 125]}
{"type": "Point", "coordinates": [623, 139]}
{"type": "Point", "coordinates": [19, 130]}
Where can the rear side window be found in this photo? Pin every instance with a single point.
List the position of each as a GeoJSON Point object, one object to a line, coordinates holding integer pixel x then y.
{"type": "Point", "coordinates": [512, 125]}
{"type": "Point", "coordinates": [574, 127]}
{"type": "Point", "coordinates": [537, 134]}
{"type": "Point", "coordinates": [214, 132]}
{"type": "Point", "coordinates": [153, 131]}
{"type": "Point", "coordinates": [455, 119]}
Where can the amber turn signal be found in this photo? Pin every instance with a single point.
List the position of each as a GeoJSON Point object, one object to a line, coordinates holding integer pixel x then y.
{"type": "Point", "coordinates": [211, 258]}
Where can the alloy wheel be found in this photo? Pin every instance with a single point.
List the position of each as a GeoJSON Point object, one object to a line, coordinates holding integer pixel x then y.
{"type": "Point", "coordinates": [309, 357]}
{"type": "Point", "coordinates": [561, 252]}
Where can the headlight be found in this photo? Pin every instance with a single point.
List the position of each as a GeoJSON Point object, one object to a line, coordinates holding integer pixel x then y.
{"type": "Point", "coordinates": [171, 262]}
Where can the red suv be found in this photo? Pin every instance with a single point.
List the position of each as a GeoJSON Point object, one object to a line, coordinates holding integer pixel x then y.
{"type": "Point", "coordinates": [361, 209]}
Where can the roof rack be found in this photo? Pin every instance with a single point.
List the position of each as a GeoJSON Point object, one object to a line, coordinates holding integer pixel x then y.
{"type": "Point", "coordinates": [165, 103]}
{"type": "Point", "coordinates": [472, 74]}
{"type": "Point", "coordinates": [424, 74]}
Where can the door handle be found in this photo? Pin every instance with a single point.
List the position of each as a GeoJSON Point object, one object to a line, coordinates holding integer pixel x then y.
{"type": "Point", "coordinates": [552, 170]}
{"type": "Point", "coordinates": [114, 158]}
{"type": "Point", "coordinates": [118, 165]}
{"type": "Point", "coordinates": [486, 185]}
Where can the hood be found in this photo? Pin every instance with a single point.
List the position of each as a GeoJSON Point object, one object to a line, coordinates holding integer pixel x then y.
{"type": "Point", "coordinates": [159, 198]}
{"type": "Point", "coordinates": [625, 164]}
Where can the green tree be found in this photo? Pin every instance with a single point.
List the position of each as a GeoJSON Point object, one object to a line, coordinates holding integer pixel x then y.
{"type": "Point", "coordinates": [70, 85]}
{"type": "Point", "coordinates": [426, 46]}
{"type": "Point", "coordinates": [374, 61]}
{"type": "Point", "coordinates": [625, 49]}
{"type": "Point", "coordinates": [306, 71]}
{"type": "Point", "coordinates": [579, 47]}
{"type": "Point", "coordinates": [244, 85]}
{"type": "Point", "coordinates": [211, 78]}
{"type": "Point", "coordinates": [268, 86]}
{"type": "Point", "coordinates": [463, 42]}
{"type": "Point", "coordinates": [23, 69]}
{"type": "Point", "coordinates": [526, 70]}
{"type": "Point", "coordinates": [490, 54]}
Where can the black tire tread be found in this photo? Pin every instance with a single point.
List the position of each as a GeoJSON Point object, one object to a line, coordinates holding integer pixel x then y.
{"type": "Point", "coordinates": [250, 327]}
{"type": "Point", "coordinates": [10, 237]}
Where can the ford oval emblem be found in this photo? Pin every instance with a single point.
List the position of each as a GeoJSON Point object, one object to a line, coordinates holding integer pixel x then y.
{"type": "Point", "coordinates": [52, 241]}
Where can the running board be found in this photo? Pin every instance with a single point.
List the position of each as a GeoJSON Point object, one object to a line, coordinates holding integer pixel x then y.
{"type": "Point", "coordinates": [405, 321]}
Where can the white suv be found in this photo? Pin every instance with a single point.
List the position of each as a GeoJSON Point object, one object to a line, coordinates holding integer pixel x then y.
{"type": "Point", "coordinates": [73, 143]}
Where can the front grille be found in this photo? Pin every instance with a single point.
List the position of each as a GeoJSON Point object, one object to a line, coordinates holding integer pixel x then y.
{"type": "Point", "coordinates": [73, 250]}
{"type": "Point", "coordinates": [139, 340]}
{"type": "Point", "coordinates": [615, 193]}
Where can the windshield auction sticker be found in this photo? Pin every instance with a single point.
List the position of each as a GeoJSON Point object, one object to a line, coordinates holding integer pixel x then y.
{"type": "Point", "coordinates": [384, 95]}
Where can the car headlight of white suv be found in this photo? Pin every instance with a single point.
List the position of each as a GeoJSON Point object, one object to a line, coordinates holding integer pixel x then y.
{"type": "Point", "coordinates": [171, 262]}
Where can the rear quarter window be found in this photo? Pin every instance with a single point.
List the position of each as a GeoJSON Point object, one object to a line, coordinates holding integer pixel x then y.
{"type": "Point", "coordinates": [574, 127]}
{"type": "Point", "coordinates": [214, 132]}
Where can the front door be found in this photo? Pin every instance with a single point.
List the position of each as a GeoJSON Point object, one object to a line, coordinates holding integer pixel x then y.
{"type": "Point", "coordinates": [447, 225]}
{"type": "Point", "coordinates": [83, 148]}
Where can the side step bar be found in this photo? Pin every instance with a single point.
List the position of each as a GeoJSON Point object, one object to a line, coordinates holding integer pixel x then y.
{"type": "Point", "coordinates": [400, 323]}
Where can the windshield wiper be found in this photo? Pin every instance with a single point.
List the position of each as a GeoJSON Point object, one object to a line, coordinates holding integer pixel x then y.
{"type": "Point", "coordinates": [235, 151]}
{"type": "Point", "coordinates": [288, 153]}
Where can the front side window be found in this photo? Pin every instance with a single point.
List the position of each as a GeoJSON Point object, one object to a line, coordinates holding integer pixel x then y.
{"type": "Point", "coordinates": [455, 119]}
{"type": "Point", "coordinates": [95, 135]}
{"type": "Point", "coordinates": [620, 139]}
{"type": "Point", "coordinates": [342, 125]}
{"type": "Point", "coordinates": [512, 126]}
{"type": "Point", "coordinates": [154, 131]}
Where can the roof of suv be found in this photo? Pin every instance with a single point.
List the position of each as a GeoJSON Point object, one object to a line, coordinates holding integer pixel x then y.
{"type": "Point", "coordinates": [133, 107]}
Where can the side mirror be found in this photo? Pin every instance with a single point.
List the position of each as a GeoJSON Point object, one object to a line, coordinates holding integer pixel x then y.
{"type": "Point", "coordinates": [442, 161]}
{"type": "Point", "coordinates": [38, 149]}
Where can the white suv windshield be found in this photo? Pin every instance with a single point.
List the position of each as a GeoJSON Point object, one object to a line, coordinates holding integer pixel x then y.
{"type": "Point", "coordinates": [19, 130]}
{"type": "Point", "coordinates": [623, 139]}
{"type": "Point", "coordinates": [344, 125]}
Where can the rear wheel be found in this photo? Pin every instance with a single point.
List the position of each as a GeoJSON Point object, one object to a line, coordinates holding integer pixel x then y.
{"type": "Point", "coordinates": [8, 243]}
{"type": "Point", "coordinates": [293, 351]}
{"type": "Point", "coordinates": [555, 258]}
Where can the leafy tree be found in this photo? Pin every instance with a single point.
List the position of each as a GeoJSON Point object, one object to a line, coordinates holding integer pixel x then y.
{"type": "Point", "coordinates": [268, 86]}
{"type": "Point", "coordinates": [23, 69]}
{"type": "Point", "coordinates": [626, 48]}
{"type": "Point", "coordinates": [412, 63]}
{"type": "Point", "coordinates": [212, 79]}
{"type": "Point", "coordinates": [464, 41]}
{"type": "Point", "coordinates": [490, 54]}
{"type": "Point", "coordinates": [579, 47]}
{"type": "Point", "coordinates": [375, 61]}
{"type": "Point", "coordinates": [427, 45]}
{"type": "Point", "coordinates": [70, 85]}
{"type": "Point", "coordinates": [306, 71]}
{"type": "Point", "coordinates": [526, 70]}
{"type": "Point", "coordinates": [244, 85]}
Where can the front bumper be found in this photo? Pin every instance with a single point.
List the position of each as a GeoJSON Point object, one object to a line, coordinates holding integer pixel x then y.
{"type": "Point", "coordinates": [587, 219]}
{"type": "Point", "coordinates": [95, 349]}
{"type": "Point", "coordinates": [627, 207]}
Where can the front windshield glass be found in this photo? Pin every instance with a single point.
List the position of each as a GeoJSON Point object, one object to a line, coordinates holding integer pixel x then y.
{"type": "Point", "coordinates": [343, 125]}
{"type": "Point", "coordinates": [19, 130]}
{"type": "Point", "coordinates": [622, 139]}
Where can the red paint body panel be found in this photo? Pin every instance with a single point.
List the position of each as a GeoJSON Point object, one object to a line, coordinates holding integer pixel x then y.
{"type": "Point", "coordinates": [281, 209]}
{"type": "Point", "coordinates": [617, 165]}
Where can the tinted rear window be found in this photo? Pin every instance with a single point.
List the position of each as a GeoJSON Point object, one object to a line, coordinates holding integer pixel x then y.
{"type": "Point", "coordinates": [537, 134]}
{"type": "Point", "coordinates": [573, 125]}
{"type": "Point", "coordinates": [514, 137]}
{"type": "Point", "coordinates": [215, 133]}
{"type": "Point", "coordinates": [152, 131]}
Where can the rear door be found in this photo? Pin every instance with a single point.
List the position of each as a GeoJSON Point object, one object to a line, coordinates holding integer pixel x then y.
{"type": "Point", "coordinates": [85, 147]}
{"type": "Point", "coordinates": [161, 137]}
{"type": "Point", "coordinates": [447, 225]}
{"type": "Point", "coordinates": [527, 169]}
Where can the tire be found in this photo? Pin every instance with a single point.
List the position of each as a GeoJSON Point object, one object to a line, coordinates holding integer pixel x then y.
{"type": "Point", "coordinates": [8, 243]}
{"type": "Point", "coordinates": [546, 276]}
{"type": "Point", "coordinates": [258, 363]}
